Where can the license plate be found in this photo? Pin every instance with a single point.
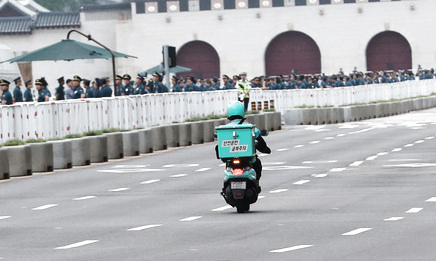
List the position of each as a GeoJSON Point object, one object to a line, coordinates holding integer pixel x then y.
{"type": "Point", "coordinates": [238, 185]}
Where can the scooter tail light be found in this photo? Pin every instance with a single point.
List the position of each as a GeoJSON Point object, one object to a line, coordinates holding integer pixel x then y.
{"type": "Point", "coordinates": [237, 172]}
{"type": "Point", "coordinates": [236, 161]}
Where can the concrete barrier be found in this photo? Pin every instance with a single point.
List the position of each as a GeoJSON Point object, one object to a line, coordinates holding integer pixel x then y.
{"type": "Point", "coordinates": [208, 131]}
{"type": "Point", "coordinates": [293, 117]}
{"type": "Point", "coordinates": [115, 145]}
{"type": "Point", "coordinates": [173, 136]}
{"type": "Point", "coordinates": [131, 143]}
{"type": "Point", "coordinates": [4, 164]}
{"type": "Point", "coordinates": [42, 156]}
{"type": "Point", "coordinates": [62, 154]}
{"type": "Point", "coordinates": [20, 160]}
{"type": "Point", "coordinates": [277, 120]}
{"type": "Point", "coordinates": [145, 141]}
{"type": "Point", "coordinates": [159, 138]}
{"type": "Point", "coordinates": [81, 153]}
{"type": "Point", "coordinates": [98, 148]}
{"type": "Point", "coordinates": [185, 136]}
{"type": "Point", "coordinates": [197, 130]}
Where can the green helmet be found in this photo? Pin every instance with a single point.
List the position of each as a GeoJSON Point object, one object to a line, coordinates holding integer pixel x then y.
{"type": "Point", "coordinates": [235, 110]}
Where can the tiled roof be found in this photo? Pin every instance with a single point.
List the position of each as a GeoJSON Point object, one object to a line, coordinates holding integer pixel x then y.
{"type": "Point", "coordinates": [108, 7]}
{"type": "Point", "coordinates": [16, 25]}
{"type": "Point", "coordinates": [57, 19]}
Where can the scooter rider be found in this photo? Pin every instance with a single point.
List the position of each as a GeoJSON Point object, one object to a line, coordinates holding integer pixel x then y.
{"type": "Point", "coordinates": [236, 114]}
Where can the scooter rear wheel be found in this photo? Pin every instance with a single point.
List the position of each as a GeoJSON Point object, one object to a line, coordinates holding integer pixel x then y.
{"type": "Point", "coordinates": [243, 208]}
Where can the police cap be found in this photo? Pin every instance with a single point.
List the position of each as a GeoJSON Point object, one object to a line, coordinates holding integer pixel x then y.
{"type": "Point", "coordinates": [126, 77]}
{"type": "Point", "coordinates": [77, 78]}
{"type": "Point", "coordinates": [4, 82]}
{"type": "Point", "coordinates": [16, 80]}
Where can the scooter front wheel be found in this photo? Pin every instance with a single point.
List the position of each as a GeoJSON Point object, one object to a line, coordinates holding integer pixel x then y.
{"type": "Point", "coordinates": [243, 208]}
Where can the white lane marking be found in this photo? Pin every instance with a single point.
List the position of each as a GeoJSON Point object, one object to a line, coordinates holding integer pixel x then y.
{"type": "Point", "coordinates": [298, 146]}
{"type": "Point", "coordinates": [129, 166]}
{"type": "Point", "coordinates": [221, 208]}
{"type": "Point", "coordinates": [315, 127]}
{"type": "Point", "coordinates": [273, 163]}
{"type": "Point", "coordinates": [340, 135]}
{"type": "Point", "coordinates": [150, 181]}
{"type": "Point", "coordinates": [262, 155]}
{"type": "Point", "coordinates": [282, 250]}
{"type": "Point", "coordinates": [356, 231]}
{"type": "Point", "coordinates": [143, 227]}
{"type": "Point", "coordinates": [396, 149]}
{"type": "Point", "coordinates": [190, 218]}
{"type": "Point", "coordinates": [414, 210]}
{"type": "Point", "coordinates": [337, 169]}
{"type": "Point", "coordinates": [382, 153]}
{"type": "Point", "coordinates": [203, 169]}
{"type": "Point", "coordinates": [283, 149]}
{"type": "Point", "coordinates": [314, 142]}
{"type": "Point", "coordinates": [393, 219]}
{"type": "Point", "coordinates": [319, 162]}
{"type": "Point", "coordinates": [285, 167]}
{"type": "Point", "coordinates": [319, 175]}
{"type": "Point", "coordinates": [119, 189]}
{"type": "Point", "coordinates": [79, 244]}
{"type": "Point", "coordinates": [301, 182]}
{"type": "Point", "coordinates": [348, 126]}
{"type": "Point", "coordinates": [180, 165]}
{"type": "Point", "coordinates": [277, 191]}
{"type": "Point", "coordinates": [419, 141]}
{"type": "Point", "coordinates": [429, 138]}
{"type": "Point", "coordinates": [399, 160]}
{"type": "Point", "coordinates": [128, 170]}
{"type": "Point", "coordinates": [409, 145]}
{"type": "Point", "coordinates": [178, 175]}
{"type": "Point", "coordinates": [84, 198]}
{"type": "Point", "coordinates": [413, 165]}
{"type": "Point", "coordinates": [372, 158]}
{"type": "Point", "coordinates": [45, 207]}
{"type": "Point", "coordinates": [329, 138]}
{"type": "Point", "coordinates": [433, 199]}
{"type": "Point", "coordinates": [356, 163]}
{"type": "Point", "coordinates": [4, 217]}
{"type": "Point", "coordinates": [260, 197]}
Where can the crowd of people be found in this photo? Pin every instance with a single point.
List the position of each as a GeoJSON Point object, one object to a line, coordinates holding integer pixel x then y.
{"type": "Point", "coordinates": [78, 88]}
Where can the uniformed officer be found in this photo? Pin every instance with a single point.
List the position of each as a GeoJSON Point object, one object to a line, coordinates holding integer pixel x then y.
{"type": "Point", "coordinates": [215, 85]}
{"type": "Point", "coordinates": [227, 85]}
{"type": "Point", "coordinates": [255, 83]}
{"type": "Point", "coordinates": [106, 91]}
{"type": "Point", "coordinates": [96, 84]}
{"type": "Point", "coordinates": [140, 88]}
{"type": "Point", "coordinates": [18, 94]}
{"type": "Point", "coordinates": [78, 92]}
{"type": "Point", "coordinates": [60, 93]}
{"type": "Point", "coordinates": [89, 91]}
{"type": "Point", "coordinates": [158, 87]}
{"type": "Point", "coordinates": [176, 86]}
{"type": "Point", "coordinates": [43, 93]}
{"type": "Point", "coordinates": [243, 86]}
{"type": "Point", "coordinates": [69, 91]}
{"type": "Point", "coordinates": [6, 95]}
{"type": "Point", "coordinates": [28, 97]}
{"type": "Point", "coordinates": [127, 88]}
{"type": "Point", "coordinates": [118, 85]}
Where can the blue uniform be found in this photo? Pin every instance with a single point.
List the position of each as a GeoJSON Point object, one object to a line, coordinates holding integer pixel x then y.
{"type": "Point", "coordinates": [7, 96]}
{"type": "Point", "coordinates": [78, 91]}
{"type": "Point", "coordinates": [18, 95]}
{"type": "Point", "coordinates": [159, 88]}
{"type": "Point", "coordinates": [89, 93]}
{"type": "Point", "coordinates": [97, 93]}
{"type": "Point", "coordinates": [28, 95]}
{"type": "Point", "coordinates": [118, 90]}
{"type": "Point", "coordinates": [60, 93]}
{"type": "Point", "coordinates": [176, 88]}
{"type": "Point", "coordinates": [128, 89]}
{"type": "Point", "coordinates": [42, 94]}
{"type": "Point", "coordinates": [140, 89]}
{"type": "Point", "coordinates": [106, 91]}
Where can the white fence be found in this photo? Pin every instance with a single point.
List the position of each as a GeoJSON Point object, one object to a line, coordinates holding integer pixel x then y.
{"type": "Point", "coordinates": [57, 119]}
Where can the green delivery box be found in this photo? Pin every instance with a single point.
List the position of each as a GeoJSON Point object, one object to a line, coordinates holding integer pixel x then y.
{"type": "Point", "coordinates": [236, 140]}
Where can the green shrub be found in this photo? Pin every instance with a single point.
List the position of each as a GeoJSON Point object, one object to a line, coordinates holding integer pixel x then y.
{"type": "Point", "coordinates": [35, 141]}
{"type": "Point", "coordinates": [73, 136]}
{"type": "Point", "coordinates": [13, 143]}
{"type": "Point", "coordinates": [93, 133]}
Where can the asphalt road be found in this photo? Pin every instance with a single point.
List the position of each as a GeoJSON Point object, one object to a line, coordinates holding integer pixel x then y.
{"type": "Point", "coordinates": [354, 191]}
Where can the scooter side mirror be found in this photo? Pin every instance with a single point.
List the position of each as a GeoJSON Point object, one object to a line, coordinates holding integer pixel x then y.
{"type": "Point", "coordinates": [264, 133]}
{"type": "Point", "coordinates": [215, 135]}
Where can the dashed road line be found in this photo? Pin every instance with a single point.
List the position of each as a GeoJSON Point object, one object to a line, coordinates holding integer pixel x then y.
{"type": "Point", "coordinates": [337, 169]}
{"type": "Point", "coordinates": [409, 145]}
{"type": "Point", "coordinates": [84, 198]}
{"type": "Point", "coordinates": [433, 199]}
{"type": "Point", "coordinates": [143, 227]}
{"type": "Point", "coordinates": [119, 189]}
{"type": "Point", "coordinates": [314, 142]}
{"type": "Point", "coordinates": [356, 164]}
{"type": "Point", "coordinates": [397, 149]}
{"type": "Point", "coordinates": [419, 141]}
{"type": "Point", "coordinates": [45, 207]}
{"type": "Point", "coordinates": [382, 153]}
{"type": "Point", "coordinates": [283, 149]}
{"type": "Point", "coordinates": [356, 231]}
{"type": "Point", "coordinates": [301, 182]}
{"type": "Point", "coordinates": [260, 197]}
{"type": "Point", "coordinates": [319, 162]}
{"type": "Point", "coordinates": [150, 181]}
{"type": "Point", "coordinates": [278, 191]}
{"type": "Point", "coordinates": [393, 218]}
{"type": "Point", "coordinates": [429, 138]}
{"type": "Point", "coordinates": [178, 175]}
{"type": "Point", "coordinates": [222, 208]}
{"type": "Point", "coordinates": [371, 158]}
{"type": "Point", "coordinates": [329, 138]}
{"type": "Point", "coordinates": [4, 217]}
{"type": "Point", "coordinates": [203, 169]}
{"type": "Point", "coordinates": [190, 218]}
{"type": "Point", "coordinates": [79, 244]}
{"type": "Point", "coordinates": [414, 210]}
{"type": "Point", "coordinates": [293, 248]}
{"type": "Point", "coordinates": [341, 135]}
{"type": "Point", "coordinates": [298, 146]}
{"type": "Point", "coordinates": [319, 175]}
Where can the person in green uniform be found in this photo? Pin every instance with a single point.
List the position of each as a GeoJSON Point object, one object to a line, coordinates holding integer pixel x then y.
{"type": "Point", "coordinates": [244, 87]}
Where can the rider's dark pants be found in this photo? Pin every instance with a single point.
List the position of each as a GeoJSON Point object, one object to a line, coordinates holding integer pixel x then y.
{"type": "Point", "coordinates": [257, 166]}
